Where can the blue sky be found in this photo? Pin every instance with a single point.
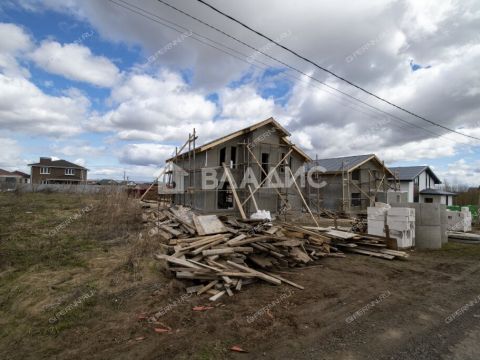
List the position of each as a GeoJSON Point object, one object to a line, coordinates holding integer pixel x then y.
{"type": "Point", "coordinates": [76, 82]}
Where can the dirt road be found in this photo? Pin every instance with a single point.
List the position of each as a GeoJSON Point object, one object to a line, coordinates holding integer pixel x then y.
{"type": "Point", "coordinates": [356, 308]}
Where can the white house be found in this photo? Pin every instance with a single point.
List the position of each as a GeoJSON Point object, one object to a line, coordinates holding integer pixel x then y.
{"type": "Point", "coordinates": [420, 182]}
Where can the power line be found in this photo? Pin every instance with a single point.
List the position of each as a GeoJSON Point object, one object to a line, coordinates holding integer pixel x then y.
{"type": "Point", "coordinates": [142, 12]}
{"type": "Point", "coordinates": [302, 72]}
{"type": "Point", "coordinates": [331, 72]}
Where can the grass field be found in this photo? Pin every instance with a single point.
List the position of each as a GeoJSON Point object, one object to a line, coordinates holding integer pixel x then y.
{"type": "Point", "coordinates": [56, 252]}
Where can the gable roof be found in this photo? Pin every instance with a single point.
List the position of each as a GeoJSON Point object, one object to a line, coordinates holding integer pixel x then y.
{"type": "Point", "coordinates": [269, 121]}
{"type": "Point", "coordinates": [20, 173]}
{"type": "Point", "coordinates": [347, 163]}
{"type": "Point", "coordinates": [6, 173]}
{"type": "Point", "coordinates": [59, 163]}
{"type": "Point", "coordinates": [409, 173]}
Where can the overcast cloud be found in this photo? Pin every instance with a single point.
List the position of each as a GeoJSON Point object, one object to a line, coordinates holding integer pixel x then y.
{"type": "Point", "coordinates": [137, 88]}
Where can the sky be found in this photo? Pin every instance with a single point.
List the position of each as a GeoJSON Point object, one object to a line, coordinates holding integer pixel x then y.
{"type": "Point", "coordinates": [115, 85]}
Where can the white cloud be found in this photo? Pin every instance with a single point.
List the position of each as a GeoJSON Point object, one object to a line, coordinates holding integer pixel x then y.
{"type": "Point", "coordinates": [10, 151]}
{"type": "Point", "coordinates": [25, 108]}
{"type": "Point", "coordinates": [462, 172]}
{"type": "Point", "coordinates": [146, 154]}
{"type": "Point", "coordinates": [76, 62]}
{"type": "Point", "coordinates": [13, 42]}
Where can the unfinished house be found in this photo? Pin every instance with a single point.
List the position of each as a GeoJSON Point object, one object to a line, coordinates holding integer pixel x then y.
{"type": "Point", "coordinates": [351, 184]}
{"type": "Point", "coordinates": [221, 175]}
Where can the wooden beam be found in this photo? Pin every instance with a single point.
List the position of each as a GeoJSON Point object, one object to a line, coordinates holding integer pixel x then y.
{"type": "Point", "coordinates": [301, 195]}
{"type": "Point", "coordinates": [253, 198]}
{"type": "Point", "coordinates": [235, 195]}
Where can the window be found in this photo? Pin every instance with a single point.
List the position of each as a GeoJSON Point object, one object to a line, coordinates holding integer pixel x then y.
{"type": "Point", "coordinates": [356, 200]}
{"type": "Point", "coordinates": [356, 174]}
{"type": "Point", "coordinates": [264, 166]}
{"type": "Point", "coordinates": [233, 157]}
{"type": "Point", "coordinates": [429, 200]}
{"type": "Point", "coordinates": [416, 181]}
{"type": "Point", "coordinates": [282, 165]}
{"type": "Point", "coordinates": [222, 156]}
{"type": "Point", "coordinates": [44, 170]}
{"type": "Point", "coordinates": [69, 171]}
{"type": "Point", "coordinates": [225, 197]}
{"type": "Point", "coordinates": [44, 182]}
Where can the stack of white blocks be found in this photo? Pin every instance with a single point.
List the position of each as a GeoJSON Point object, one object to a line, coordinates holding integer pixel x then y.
{"type": "Point", "coordinates": [459, 220]}
{"type": "Point", "coordinates": [401, 222]}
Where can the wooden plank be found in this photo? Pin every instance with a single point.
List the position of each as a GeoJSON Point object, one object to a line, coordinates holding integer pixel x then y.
{"type": "Point", "coordinates": [236, 274]}
{"type": "Point", "coordinates": [204, 266]}
{"type": "Point", "coordinates": [341, 234]}
{"type": "Point", "coordinates": [239, 285]}
{"type": "Point", "coordinates": [235, 239]}
{"type": "Point", "coordinates": [208, 224]}
{"type": "Point", "coordinates": [286, 281]}
{"type": "Point", "coordinates": [253, 198]}
{"type": "Point", "coordinates": [372, 253]}
{"type": "Point", "coordinates": [258, 274]}
{"type": "Point", "coordinates": [207, 246]}
{"type": "Point", "coordinates": [177, 261]}
{"type": "Point", "coordinates": [301, 195]}
{"type": "Point", "coordinates": [217, 296]}
{"type": "Point", "coordinates": [234, 191]}
{"type": "Point", "coordinates": [208, 286]}
{"type": "Point", "coordinates": [272, 230]}
{"type": "Point", "coordinates": [218, 251]}
{"type": "Point", "coordinates": [171, 230]}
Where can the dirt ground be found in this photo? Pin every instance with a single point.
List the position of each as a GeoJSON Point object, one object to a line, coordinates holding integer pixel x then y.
{"type": "Point", "coordinates": [95, 303]}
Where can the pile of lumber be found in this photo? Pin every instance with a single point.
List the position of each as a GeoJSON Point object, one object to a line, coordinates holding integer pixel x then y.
{"type": "Point", "coordinates": [375, 246]}
{"type": "Point", "coordinates": [222, 254]}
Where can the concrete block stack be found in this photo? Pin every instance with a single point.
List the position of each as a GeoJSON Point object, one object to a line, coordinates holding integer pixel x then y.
{"type": "Point", "coordinates": [401, 222]}
{"type": "Point", "coordinates": [453, 220]}
{"type": "Point", "coordinates": [459, 220]}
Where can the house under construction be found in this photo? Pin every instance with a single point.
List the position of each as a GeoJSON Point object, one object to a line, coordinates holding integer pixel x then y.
{"type": "Point", "coordinates": [352, 184]}
{"type": "Point", "coordinates": [202, 177]}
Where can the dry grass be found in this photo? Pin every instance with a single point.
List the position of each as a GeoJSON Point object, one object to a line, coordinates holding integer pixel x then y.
{"type": "Point", "coordinates": [114, 215]}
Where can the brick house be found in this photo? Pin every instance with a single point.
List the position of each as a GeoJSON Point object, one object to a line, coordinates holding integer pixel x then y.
{"type": "Point", "coordinates": [49, 171]}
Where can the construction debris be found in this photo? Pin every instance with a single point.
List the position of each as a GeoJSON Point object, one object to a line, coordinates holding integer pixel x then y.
{"type": "Point", "coordinates": [223, 254]}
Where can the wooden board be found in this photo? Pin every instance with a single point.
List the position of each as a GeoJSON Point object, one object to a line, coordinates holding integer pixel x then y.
{"type": "Point", "coordinates": [208, 224]}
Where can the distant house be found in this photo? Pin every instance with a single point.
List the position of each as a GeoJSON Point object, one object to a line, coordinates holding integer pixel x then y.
{"type": "Point", "coordinates": [49, 171]}
{"type": "Point", "coordinates": [421, 184]}
{"type": "Point", "coordinates": [24, 178]}
{"type": "Point", "coordinates": [10, 179]}
{"type": "Point", "coordinates": [352, 183]}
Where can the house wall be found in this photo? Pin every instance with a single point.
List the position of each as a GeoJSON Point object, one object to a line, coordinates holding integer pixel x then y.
{"type": "Point", "coordinates": [425, 181]}
{"type": "Point", "coordinates": [331, 195]}
{"type": "Point", "coordinates": [57, 175]}
{"type": "Point", "coordinates": [437, 199]}
{"type": "Point", "coordinates": [263, 140]}
{"type": "Point", "coordinates": [407, 186]}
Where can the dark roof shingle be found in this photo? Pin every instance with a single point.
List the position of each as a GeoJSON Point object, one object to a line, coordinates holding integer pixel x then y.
{"type": "Point", "coordinates": [409, 173]}
{"type": "Point", "coordinates": [58, 163]}
{"type": "Point", "coordinates": [339, 164]}
{"type": "Point", "coordinates": [436, 192]}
